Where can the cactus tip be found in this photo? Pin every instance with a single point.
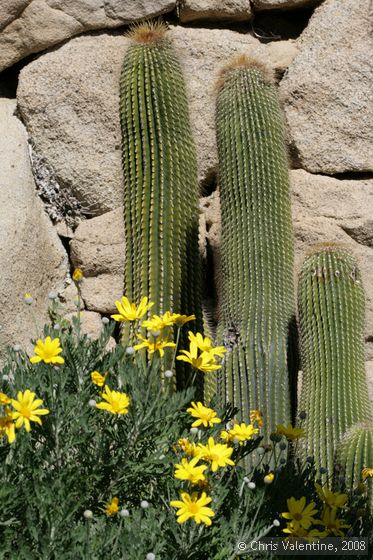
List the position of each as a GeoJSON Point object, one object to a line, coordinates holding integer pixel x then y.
{"type": "Point", "coordinates": [327, 246]}
{"type": "Point", "coordinates": [148, 32]}
{"type": "Point", "coordinates": [243, 62]}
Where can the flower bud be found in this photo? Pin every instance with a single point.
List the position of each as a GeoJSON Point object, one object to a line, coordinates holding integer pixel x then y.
{"type": "Point", "coordinates": [77, 275]}
{"type": "Point", "coordinates": [124, 512]}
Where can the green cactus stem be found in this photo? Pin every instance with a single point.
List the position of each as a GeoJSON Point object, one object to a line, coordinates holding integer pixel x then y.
{"type": "Point", "coordinates": [331, 314]}
{"type": "Point", "coordinates": [160, 177]}
{"type": "Point", "coordinates": [355, 453]}
{"type": "Point", "coordinates": [256, 293]}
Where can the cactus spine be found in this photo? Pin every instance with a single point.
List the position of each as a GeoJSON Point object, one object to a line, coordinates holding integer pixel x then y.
{"type": "Point", "coordinates": [256, 300]}
{"type": "Point", "coordinates": [354, 453]}
{"type": "Point", "coordinates": [160, 177]}
{"type": "Point", "coordinates": [331, 314]}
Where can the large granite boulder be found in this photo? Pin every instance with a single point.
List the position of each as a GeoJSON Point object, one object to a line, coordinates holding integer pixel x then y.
{"type": "Point", "coordinates": [327, 90]}
{"type": "Point", "coordinates": [69, 101]}
{"type": "Point", "coordinates": [31, 26]}
{"type": "Point", "coordinates": [32, 258]}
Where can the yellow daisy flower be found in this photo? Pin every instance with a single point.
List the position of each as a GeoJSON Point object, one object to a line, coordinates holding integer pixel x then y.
{"type": "Point", "coordinates": [269, 478]}
{"type": "Point", "coordinates": [299, 514]}
{"type": "Point", "coordinates": [98, 379]}
{"type": "Point", "coordinates": [367, 473]}
{"type": "Point", "coordinates": [182, 319]}
{"type": "Point", "coordinates": [218, 454]}
{"type": "Point", "coordinates": [158, 344]}
{"type": "Point", "coordinates": [240, 433]}
{"type": "Point", "coordinates": [78, 275]}
{"type": "Point", "coordinates": [332, 499]}
{"type": "Point", "coordinates": [187, 470]}
{"type": "Point", "coordinates": [160, 322]}
{"type": "Point", "coordinates": [205, 344]}
{"type": "Point", "coordinates": [27, 409]}
{"type": "Point", "coordinates": [193, 507]}
{"type": "Point", "coordinates": [332, 524]}
{"type": "Point", "coordinates": [116, 402]}
{"type": "Point", "coordinates": [129, 312]}
{"type": "Point", "coordinates": [4, 399]}
{"type": "Point", "coordinates": [7, 426]}
{"type": "Point", "coordinates": [204, 362]}
{"type": "Point", "coordinates": [226, 436]}
{"type": "Point", "coordinates": [302, 533]}
{"type": "Point", "coordinates": [289, 432]}
{"type": "Point", "coordinates": [47, 351]}
{"type": "Point", "coordinates": [204, 415]}
{"type": "Point", "coordinates": [188, 447]}
{"type": "Point", "coordinates": [112, 507]}
{"type": "Point", "coordinates": [256, 417]}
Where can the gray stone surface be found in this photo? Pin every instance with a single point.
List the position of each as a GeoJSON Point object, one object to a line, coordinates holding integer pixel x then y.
{"type": "Point", "coordinates": [69, 102]}
{"type": "Point", "coordinates": [215, 10]}
{"type": "Point", "coordinates": [10, 10]}
{"type": "Point", "coordinates": [91, 325]}
{"type": "Point", "coordinates": [32, 258]}
{"type": "Point", "coordinates": [31, 26]}
{"type": "Point", "coordinates": [98, 248]}
{"type": "Point", "coordinates": [328, 91]}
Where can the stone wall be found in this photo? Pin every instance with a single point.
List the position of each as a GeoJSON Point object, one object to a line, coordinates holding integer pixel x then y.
{"type": "Point", "coordinates": [60, 137]}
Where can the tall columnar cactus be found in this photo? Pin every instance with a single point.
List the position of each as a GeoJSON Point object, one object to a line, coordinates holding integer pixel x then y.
{"type": "Point", "coordinates": [331, 314]}
{"type": "Point", "coordinates": [160, 177]}
{"type": "Point", "coordinates": [256, 299]}
{"type": "Point", "coordinates": [355, 453]}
